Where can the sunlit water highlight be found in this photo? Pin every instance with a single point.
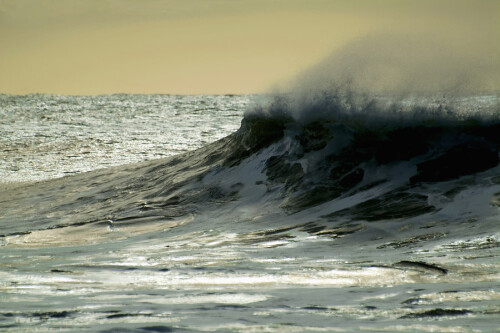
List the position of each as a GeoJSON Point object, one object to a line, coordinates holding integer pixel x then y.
{"type": "Point", "coordinates": [47, 136]}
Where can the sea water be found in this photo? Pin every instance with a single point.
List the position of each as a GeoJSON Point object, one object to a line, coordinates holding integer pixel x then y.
{"type": "Point", "coordinates": [336, 225]}
{"type": "Point", "coordinates": [49, 136]}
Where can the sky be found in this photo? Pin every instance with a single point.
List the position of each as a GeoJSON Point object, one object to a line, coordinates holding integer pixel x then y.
{"type": "Point", "coordinates": [87, 47]}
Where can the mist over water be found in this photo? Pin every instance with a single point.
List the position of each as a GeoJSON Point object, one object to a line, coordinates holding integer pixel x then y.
{"type": "Point", "coordinates": [406, 64]}
{"type": "Point", "coordinates": [381, 74]}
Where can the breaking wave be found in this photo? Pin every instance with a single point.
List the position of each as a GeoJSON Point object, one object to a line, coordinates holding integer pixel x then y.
{"type": "Point", "coordinates": [339, 145]}
{"type": "Point", "coordinates": [361, 161]}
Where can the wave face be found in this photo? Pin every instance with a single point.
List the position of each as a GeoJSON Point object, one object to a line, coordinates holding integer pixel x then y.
{"type": "Point", "coordinates": [397, 201]}
{"type": "Point", "coordinates": [403, 147]}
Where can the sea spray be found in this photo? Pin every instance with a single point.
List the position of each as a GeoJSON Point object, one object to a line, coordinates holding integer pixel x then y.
{"type": "Point", "coordinates": [388, 78]}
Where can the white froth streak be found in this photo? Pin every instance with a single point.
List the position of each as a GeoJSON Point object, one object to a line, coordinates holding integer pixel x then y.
{"type": "Point", "coordinates": [335, 278]}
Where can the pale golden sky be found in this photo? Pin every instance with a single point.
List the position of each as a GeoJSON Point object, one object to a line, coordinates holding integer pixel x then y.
{"type": "Point", "coordinates": [208, 46]}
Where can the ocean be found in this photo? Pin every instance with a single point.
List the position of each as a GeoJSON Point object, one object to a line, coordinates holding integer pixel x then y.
{"type": "Point", "coordinates": [248, 213]}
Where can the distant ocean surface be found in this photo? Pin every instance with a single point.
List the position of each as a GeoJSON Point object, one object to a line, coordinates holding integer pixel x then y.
{"type": "Point", "coordinates": [48, 136]}
{"type": "Point", "coordinates": [335, 213]}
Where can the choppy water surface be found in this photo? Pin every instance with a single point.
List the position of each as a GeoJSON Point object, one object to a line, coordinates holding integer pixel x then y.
{"type": "Point", "coordinates": [47, 136]}
{"type": "Point", "coordinates": [282, 226]}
